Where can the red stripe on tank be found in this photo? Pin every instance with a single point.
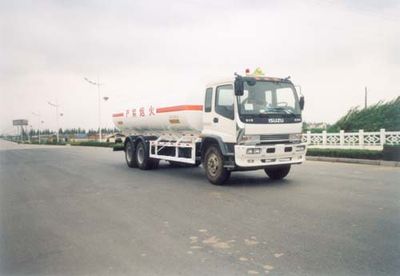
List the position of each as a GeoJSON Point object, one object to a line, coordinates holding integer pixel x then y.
{"type": "Point", "coordinates": [118, 115]}
{"type": "Point", "coordinates": [179, 108]}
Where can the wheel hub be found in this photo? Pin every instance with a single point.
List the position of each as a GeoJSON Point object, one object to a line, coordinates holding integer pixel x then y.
{"type": "Point", "coordinates": [140, 155]}
{"type": "Point", "coordinates": [129, 153]}
{"type": "Point", "coordinates": [213, 164]}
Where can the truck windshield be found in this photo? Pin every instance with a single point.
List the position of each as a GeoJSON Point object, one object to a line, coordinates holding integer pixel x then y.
{"type": "Point", "coordinates": [267, 97]}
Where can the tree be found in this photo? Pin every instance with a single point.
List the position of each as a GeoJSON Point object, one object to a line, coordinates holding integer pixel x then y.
{"type": "Point", "coordinates": [381, 115]}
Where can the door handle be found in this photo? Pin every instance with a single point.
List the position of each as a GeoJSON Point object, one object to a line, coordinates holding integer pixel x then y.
{"type": "Point", "coordinates": [215, 120]}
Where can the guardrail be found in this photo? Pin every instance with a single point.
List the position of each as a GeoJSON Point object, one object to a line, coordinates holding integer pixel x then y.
{"type": "Point", "coordinates": [358, 139]}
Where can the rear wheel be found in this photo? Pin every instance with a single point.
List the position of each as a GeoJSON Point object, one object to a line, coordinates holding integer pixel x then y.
{"type": "Point", "coordinates": [214, 166]}
{"type": "Point", "coordinates": [144, 162]}
{"type": "Point", "coordinates": [130, 155]}
{"type": "Point", "coordinates": [277, 172]}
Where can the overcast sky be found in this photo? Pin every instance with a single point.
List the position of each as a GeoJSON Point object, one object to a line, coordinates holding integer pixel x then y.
{"type": "Point", "coordinates": [161, 51]}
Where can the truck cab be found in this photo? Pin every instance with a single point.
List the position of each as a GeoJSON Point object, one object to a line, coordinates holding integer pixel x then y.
{"type": "Point", "coordinates": [254, 122]}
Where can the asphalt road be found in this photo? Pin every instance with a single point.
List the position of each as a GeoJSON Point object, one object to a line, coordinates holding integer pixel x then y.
{"type": "Point", "coordinates": [82, 211]}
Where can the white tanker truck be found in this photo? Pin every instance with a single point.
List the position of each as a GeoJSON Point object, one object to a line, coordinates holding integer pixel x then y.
{"type": "Point", "coordinates": [244, 123]}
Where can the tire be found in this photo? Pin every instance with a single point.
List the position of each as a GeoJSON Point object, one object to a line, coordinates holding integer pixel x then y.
{"type": "Point", "coordinates": [130, 156]}
{"type": "Point", "coordinates": [214, 166]}
{"type": "Point", "coordinates": [144, 162]}
{"type": "Point", "coordinates": [277, 172]}
{"type": "Point", "coordinates": [154, 164]}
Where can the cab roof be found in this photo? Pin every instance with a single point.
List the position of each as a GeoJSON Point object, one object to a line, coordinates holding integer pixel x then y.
{"type": "Point", "coordinates": [257, 77]}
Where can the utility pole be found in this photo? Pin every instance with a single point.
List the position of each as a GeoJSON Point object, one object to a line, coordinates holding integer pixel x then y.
{"type": "Point", "coordinates": [366, 98]}
{"type": "Point", "coordinates": [99, 108]}
{"type": "Point", "coordinates": [99, 101]}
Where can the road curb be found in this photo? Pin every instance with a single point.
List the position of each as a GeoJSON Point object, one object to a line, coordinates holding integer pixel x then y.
{"type": "Point", "coordinates": [354, 161]}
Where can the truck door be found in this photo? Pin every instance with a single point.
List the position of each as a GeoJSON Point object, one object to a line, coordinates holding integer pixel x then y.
{"type": "Point", "coordinates": [219, 117]}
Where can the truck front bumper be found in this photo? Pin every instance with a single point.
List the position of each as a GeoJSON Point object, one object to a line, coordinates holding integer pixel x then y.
{"type": "Point", "coordinates": [247, 156]}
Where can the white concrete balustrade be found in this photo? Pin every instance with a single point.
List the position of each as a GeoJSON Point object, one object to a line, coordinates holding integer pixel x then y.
{"type": "Point", "coordinates": [360, 139]}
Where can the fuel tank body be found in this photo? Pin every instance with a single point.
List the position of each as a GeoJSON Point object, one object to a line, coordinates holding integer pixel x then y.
{"type": "Point", "coordinates": [159, 119]}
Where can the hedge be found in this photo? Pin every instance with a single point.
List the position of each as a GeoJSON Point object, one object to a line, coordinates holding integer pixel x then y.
{"type": "Point", "coordinates": [346, 153]}
{"type": "Point", "coordinates": [391, 152]}
{"type": "Point", "coordinates": [44, 143]}
{"type": "Point", "coordinates": [94, 144]}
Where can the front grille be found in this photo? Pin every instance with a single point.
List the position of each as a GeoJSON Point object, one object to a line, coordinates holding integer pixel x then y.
{"type": "Point", "coordinates": [274, 137]}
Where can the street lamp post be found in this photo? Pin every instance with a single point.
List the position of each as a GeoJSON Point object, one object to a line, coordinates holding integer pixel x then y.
{"type": "Point", "coordinates": [99, 101]}
{"type": "Point", "coordinates": [56, 106]}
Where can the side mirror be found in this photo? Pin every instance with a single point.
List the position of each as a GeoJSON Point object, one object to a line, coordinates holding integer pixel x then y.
{"type": "Point", "coordinates": [301, 102]}
{"type": "Point", "coordinates": [239, 86]}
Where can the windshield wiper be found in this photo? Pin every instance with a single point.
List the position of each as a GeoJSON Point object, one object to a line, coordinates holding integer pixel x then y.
{"type": "Point", "coordinates": [281, 110]}
{"type": "Point", "coordinates": [262, 115]}
{"type": "Point", "coordinates": [290, 112]}
{"type": "Point", "coordinates": [272, 111]}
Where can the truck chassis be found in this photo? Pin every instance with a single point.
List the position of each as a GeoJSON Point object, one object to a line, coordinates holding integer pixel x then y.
{"type": "Point", "coordinates": [174, 148]}
{"type": "Point", "coordinates": [145, 152]}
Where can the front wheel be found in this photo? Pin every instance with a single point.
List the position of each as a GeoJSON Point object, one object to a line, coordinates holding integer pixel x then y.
{"type": "Point", "coordinates": [214, 166]}
{"type": "Point", "coordinates": [277, 172]}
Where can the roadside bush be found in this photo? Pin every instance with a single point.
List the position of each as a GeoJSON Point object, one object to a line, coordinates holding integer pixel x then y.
{"type": "Point", "coordinates": [391, 152]}
{"type": "Point", "coordinates": [52, 143]}
{"type": "Point", "coordinates": [346, 153]}
{"type": "Point", "coordinates": [43, 143]}
{"type": "Point", "coordinates": [94, 144]}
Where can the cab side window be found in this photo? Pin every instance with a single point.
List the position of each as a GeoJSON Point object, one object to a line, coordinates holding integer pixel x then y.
{"type": "Point", "coordinates": [208, 100]}
{"type": "Point", "coordinates": [224, 101]}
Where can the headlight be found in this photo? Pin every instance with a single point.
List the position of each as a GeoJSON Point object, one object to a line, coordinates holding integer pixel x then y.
{"type": "Point", "coordinates": [250, 138]}
{"type": "Point", "coordinates": [301, 148]}
{"type": "Point", "coordinates": [295, 137]}
{"type": "Point", "coordinates": [253, 151]}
